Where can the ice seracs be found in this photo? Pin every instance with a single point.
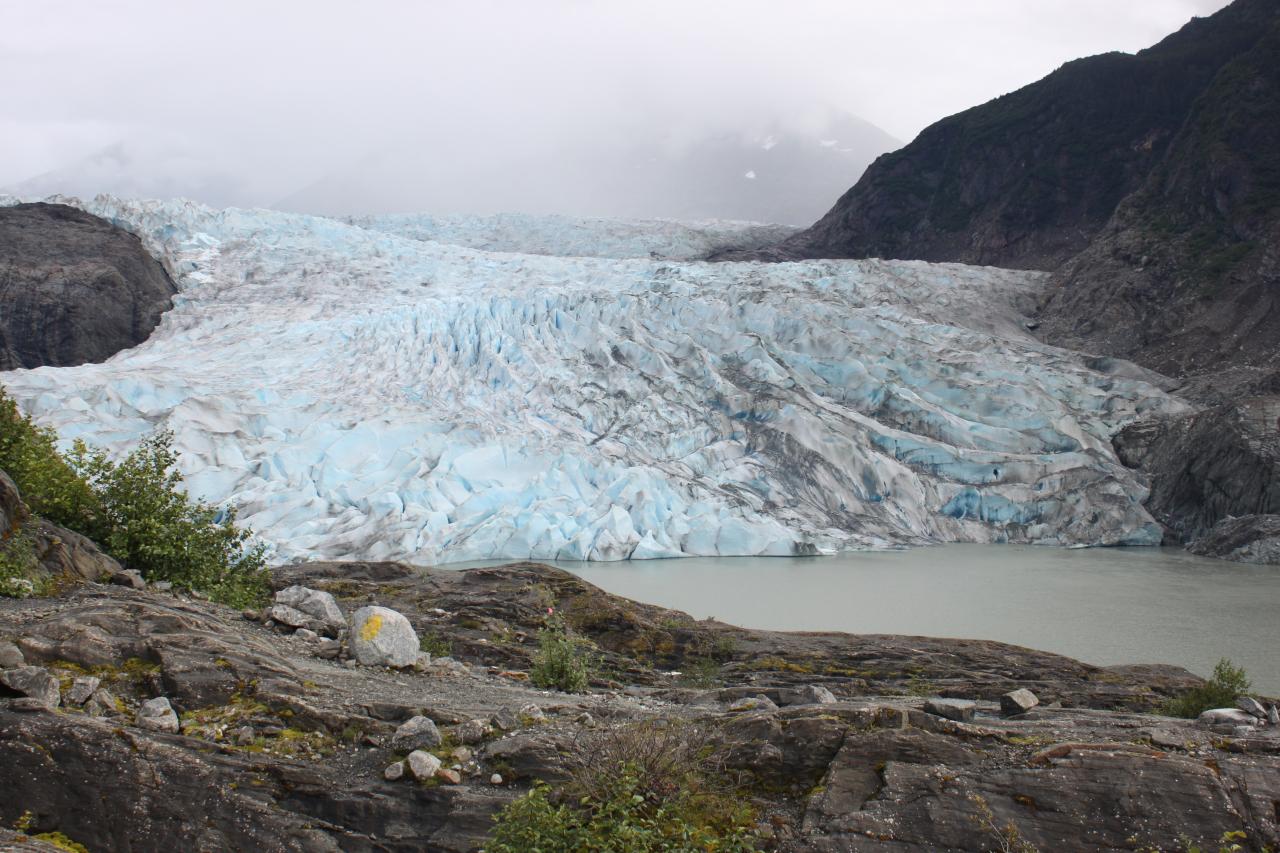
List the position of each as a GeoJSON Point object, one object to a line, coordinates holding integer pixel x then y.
{"type": "Point", "coordinates": [367, 389]}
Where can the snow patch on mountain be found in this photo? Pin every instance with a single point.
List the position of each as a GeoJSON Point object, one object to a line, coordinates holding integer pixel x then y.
{"type": "Point", "coordinates": [381, 389]}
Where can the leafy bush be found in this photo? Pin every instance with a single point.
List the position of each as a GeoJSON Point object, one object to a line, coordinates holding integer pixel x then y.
{"type": "Point", "coordinates": [134, 509]}
{"type": "Point", "coordinates": [436, 645]}
{"type": "Point", "coordinates": [50, 486]}
{"type": "Point", "coordinates": [641, 788]}
{"type": "Point", "coordinates": [564, 660]}
{"type": "Point", "coordinates": [18, 577]}
{"type": "Point", "coordinates": [1220, 691]}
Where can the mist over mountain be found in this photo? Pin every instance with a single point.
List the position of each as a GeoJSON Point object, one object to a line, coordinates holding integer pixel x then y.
{"type": "Point", "coordinates": [779, 172]}
{"type": "Point", "coordinates": [168, 166]}
{"type": "Point", "coordinates": [774, 174]}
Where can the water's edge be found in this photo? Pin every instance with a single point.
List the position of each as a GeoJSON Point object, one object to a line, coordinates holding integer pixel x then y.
{"type": "Point", "coordinates": [1101, 605]}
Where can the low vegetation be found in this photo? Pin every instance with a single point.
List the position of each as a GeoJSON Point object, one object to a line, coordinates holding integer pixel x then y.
{"type": "Point", "coordinates": [135, 509]}
{"type": "Point", "coordinates": [564, 661]}
{"type": "Point", "coordinates": [18, 576]}
{"type": "Point", "coordinates": [1221, 690]}
{"type": "Point", "coordinates": [639, 788]}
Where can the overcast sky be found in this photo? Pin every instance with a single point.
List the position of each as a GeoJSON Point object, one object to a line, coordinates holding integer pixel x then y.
{"type": "Point", "coordinates": [276, 95]}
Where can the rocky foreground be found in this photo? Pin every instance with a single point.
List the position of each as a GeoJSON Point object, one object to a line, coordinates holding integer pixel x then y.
{"type": "Point", "coordinates": [139, 717]}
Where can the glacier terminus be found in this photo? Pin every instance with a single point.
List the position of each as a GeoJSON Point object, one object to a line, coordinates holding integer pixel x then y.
{"type": "Point", "coordinates": [466, 388]}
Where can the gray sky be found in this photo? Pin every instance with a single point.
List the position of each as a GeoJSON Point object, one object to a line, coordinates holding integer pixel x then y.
{"type": "Point", "coordinates": [276, 95]}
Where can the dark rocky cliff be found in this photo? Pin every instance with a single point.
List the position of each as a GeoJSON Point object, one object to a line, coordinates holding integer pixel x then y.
{"type": "Point", "coordinates": [1186, 276]}
{"type": "Point", "coordinates": [73, 287]}
{"type": "Point", "coordinates": [1029, 179]}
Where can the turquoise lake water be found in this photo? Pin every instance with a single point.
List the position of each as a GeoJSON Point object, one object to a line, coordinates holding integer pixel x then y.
{"type": "Point", "coordinates": [1100, 605]}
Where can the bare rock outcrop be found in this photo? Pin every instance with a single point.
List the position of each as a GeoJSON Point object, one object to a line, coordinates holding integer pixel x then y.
{"type": "Point", "coordinates": [75, 288]}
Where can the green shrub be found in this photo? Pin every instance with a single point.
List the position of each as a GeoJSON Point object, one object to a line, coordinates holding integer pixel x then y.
{"type": "Point", "coordinates": [564, 661]}
{"type": "Point", "coordinates": [134, 509]}
{"type": "Point", "coordinates": [651, 786]}
{"type": "Point", "coordinates": [436, 645]}
{"type": "Point", "coordinates": [1220, 691]}
{"type": "Point", "coordinates": [48, 483]}
{"type": "Point", "coordinates": [18, 577]}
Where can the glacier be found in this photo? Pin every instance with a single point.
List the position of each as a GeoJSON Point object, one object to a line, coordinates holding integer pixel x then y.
{"type": "Point", "coordinates": [469, 388]}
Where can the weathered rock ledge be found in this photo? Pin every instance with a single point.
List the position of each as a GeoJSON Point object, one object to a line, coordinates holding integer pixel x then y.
{"type": "Point", "coordinates": [1213, 477]}
{"type": "Point", "coordinates": [284, 742]}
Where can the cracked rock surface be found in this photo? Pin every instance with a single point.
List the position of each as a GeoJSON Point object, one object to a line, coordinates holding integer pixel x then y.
{"type": "Point", "coordinates": [281, 749]}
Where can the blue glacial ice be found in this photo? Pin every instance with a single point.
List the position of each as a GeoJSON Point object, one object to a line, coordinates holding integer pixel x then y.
{"type": "Point", "coordinates": [518, 387]}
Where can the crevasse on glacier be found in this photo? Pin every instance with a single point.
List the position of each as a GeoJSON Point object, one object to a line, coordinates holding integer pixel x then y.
{"type": "Point", "coordinates": [364, 389]}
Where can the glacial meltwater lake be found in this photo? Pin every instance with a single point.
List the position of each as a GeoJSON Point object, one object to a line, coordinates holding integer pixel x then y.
{"type": "Point", "coordinates": [1100, 605]}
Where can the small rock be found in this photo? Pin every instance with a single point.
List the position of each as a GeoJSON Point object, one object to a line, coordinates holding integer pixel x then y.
{"type": "Point", "coordinates": [423, 765]}
{"type": "Point", "coordinates": [1243, 731]}
{"type": "Point", "coordinates": [393, 771]}
{"type": "Point", "coordinates": [423, 663]}
{"type": "Point", "coordinates": [533, 712]}
{"type": "Point", "coordinates": [320, 606]}
{"type": "Point", "coordinates": [1166, 739]}
{"type": "Point", "coordinates": [102, 703]}
{"type": "Point", "coordinates": [82, 689]}
{"type": "Point", "coordinates": [1251, 706]}
{"type": "Point", "coordinates": [815, 694]}
{"type": "Point", "coordinates": [29, 705]}
{"type": "Point", "coordinates": [245, 735]}
{"type": "Point", "coordinates": [382, 637]}
{"type": "Point", "coordinates": [449, 666]}
{"type": "Point", "coordinates": [495, 779]}
{"type": "Point", "coordinates": [11, 657]}
{"type": "Point", "coordinates": [158, 715]}
{"type": "Point", "coordinates": [128, 577]}
{"type": "Point", "coordinates": [471, 731]}
{"type": "Point", "coordinates": [283, 614]}
{"type": "Point", "coordinates": [753, 703]}
{"type": "Point", "coordinates": [1273, 715]}
{"type": "Point", "coordinates": [960, 710]}
{"type": "Point", "coordinates": [419, 733]}
{"type": "Point", "coordinates": [449, 777]}
{"type": "Point", "coordinates": [250, 615]}
{"type": "Point", "coordinates": [506, 720]}
{"type": "Point", "coordinates": [461, 754]}
{"type": "Point", "coordinates": [586, 720]}
{"type": "Point", "coordinates": [1016, 702]}
{"type": "Point", "coordinates": [1226, 716]}
{"type": "Point", "coordinates": [329, 649]}
{"type": "Point", "coordinates": [162, 586]}
{"type": "Point", "coordinates": [33, 682]}
{"type": "Point", "coordinates": [306, 634]}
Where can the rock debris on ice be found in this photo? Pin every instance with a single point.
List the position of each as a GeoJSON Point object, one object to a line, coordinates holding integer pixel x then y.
{"type": "Point", "coordinates": [384, 389]}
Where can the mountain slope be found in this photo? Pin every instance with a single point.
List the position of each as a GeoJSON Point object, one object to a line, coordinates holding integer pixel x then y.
{"type": "Point", "coordinates": [1027, 180]}
{"type": "Point", "coordinates": [1186, 276]}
